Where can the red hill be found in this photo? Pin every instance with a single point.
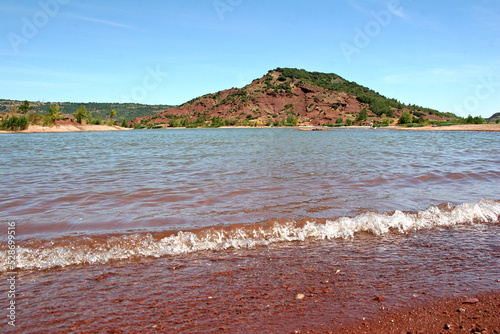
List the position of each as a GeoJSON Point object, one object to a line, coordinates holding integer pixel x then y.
{"type": "Point", "coordinates": [291, 97]}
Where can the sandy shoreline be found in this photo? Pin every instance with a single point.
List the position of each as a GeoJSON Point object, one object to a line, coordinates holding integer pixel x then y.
{"type": "Point", "coordinates": [461, 127]}
{"type": "Point", "coordinates": [81, 128]}
{"type": "Point", "coordinates": [68, 128]}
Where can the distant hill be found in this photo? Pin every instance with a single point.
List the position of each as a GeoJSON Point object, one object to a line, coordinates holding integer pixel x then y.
{"type": "Point", "coordinates": [123, 110]}
{"type": "Point", "coordinates": [287, 96]}
{"type": "Point", "coordinates": [494, 118]}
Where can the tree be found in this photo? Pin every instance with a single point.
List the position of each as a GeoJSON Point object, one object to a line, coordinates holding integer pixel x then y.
{"type": "Point", "coordinates": [112, 114]}
{"type": "Point", "coordinates": [478, 120]}
{"type": "Point", "coordinates": [25, 107]}
{"type": "Point", "coordinates": [90, 117]}
{"type": "Point", "coordinates": [469, 120]}
{"type": "Point", "coordinates": [81, 114]}
{"type": "Point", "coordinates": [406, 118]}
{"type": "Point", "coordinates": [124, 123]}
{"type": "Point", "coordinates": [379, 107]}
{"type": "Point", "coordinates": [54, 111]}
{"type": "Point", "coordinates": [52, 116]}
{"type": "Point", "coordinates": [362, 116]}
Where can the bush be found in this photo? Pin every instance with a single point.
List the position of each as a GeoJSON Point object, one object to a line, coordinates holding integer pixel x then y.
{"type": "Point", "coordinates": [420, 120]}
{"type": "Point", "coordinates": [96, 121]}
{"type": "Point", "coordinates": [406, 118]}
{"type": "Point", "coordinates": [36, 119]}
{"type": "Point", "coordinates": [15, 123]}
{"type": "Point", "coordinates": [200, 121]}
{"type": "Point", "coordinates": [362, 116]}
{"type": "Point", "coordinates": [48, 120]}
{"type": "Point", "coordinates": [364, 98]}
{"type": "Point", "coordinates": [473, 120]}
{"type": "Point", "coordinates": [339, 120]}
{"type": "Point", "coordinates": [380, 107]}
{"type": "Point", "coordinates": [348, 122]}
{"type": "Point", "coordinates": [81, 114]}
{"type": "Point", "coordinates": [173, 123]}
{"type": "Point", "coordinates": [291, 121]}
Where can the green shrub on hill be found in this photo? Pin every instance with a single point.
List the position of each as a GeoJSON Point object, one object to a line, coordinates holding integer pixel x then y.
{"type": "Point", "coordinates": [379, 104]}
{"type": "Point", "coordinates": [406, 118]}
{"type": "Point", "coordinates": [362, 116]}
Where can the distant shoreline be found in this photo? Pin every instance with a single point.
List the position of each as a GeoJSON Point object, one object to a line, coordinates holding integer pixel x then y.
{"type": "Point", "coordinates": [461, 127]}
{"type": "Point", "coordinates": [68, 128]}
{"type": "Point", "coordinates": [94, 128]}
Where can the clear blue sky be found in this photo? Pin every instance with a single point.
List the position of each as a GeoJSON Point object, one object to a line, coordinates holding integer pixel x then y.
{"type": "Point", "coordinates": [441, 54]}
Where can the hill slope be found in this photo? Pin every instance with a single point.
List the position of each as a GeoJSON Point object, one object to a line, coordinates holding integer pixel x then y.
{"type": "Point", "coordinates": [286, 96]}
{"type": "Point", "coordinates": [494, 118]}
{"type": "Point", "coordinates": [123, 110]}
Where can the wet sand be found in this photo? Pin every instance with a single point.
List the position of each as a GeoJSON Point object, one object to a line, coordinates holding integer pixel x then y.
{"type": "Point", "coordinates": [479, 314]}
{"type": "Point", "coordinates": [416, 283]}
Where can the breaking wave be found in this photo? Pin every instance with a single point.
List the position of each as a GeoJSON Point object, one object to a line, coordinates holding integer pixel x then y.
{"type": "Point", "coordinates": [99, 249]}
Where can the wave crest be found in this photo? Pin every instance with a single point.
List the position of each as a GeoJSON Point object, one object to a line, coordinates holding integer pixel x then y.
{"type": "Point", "coordinates": [100, 250]}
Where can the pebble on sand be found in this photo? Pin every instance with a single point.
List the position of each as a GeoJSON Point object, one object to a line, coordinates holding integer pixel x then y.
{"type": "Point", "coordinates": [471, 301]}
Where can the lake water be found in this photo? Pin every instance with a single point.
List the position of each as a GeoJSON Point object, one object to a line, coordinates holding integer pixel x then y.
{"type": "Point", "coordinates": [203, 230]}
{"type": "Point", "coordinates": [120, 195]}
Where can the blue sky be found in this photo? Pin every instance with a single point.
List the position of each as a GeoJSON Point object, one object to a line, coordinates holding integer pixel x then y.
{"type": "Point", "coordinates": [440, 54]}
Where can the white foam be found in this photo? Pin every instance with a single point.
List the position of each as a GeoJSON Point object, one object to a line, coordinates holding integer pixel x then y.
{"type": "Point", "coordinates": [144, 245]}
